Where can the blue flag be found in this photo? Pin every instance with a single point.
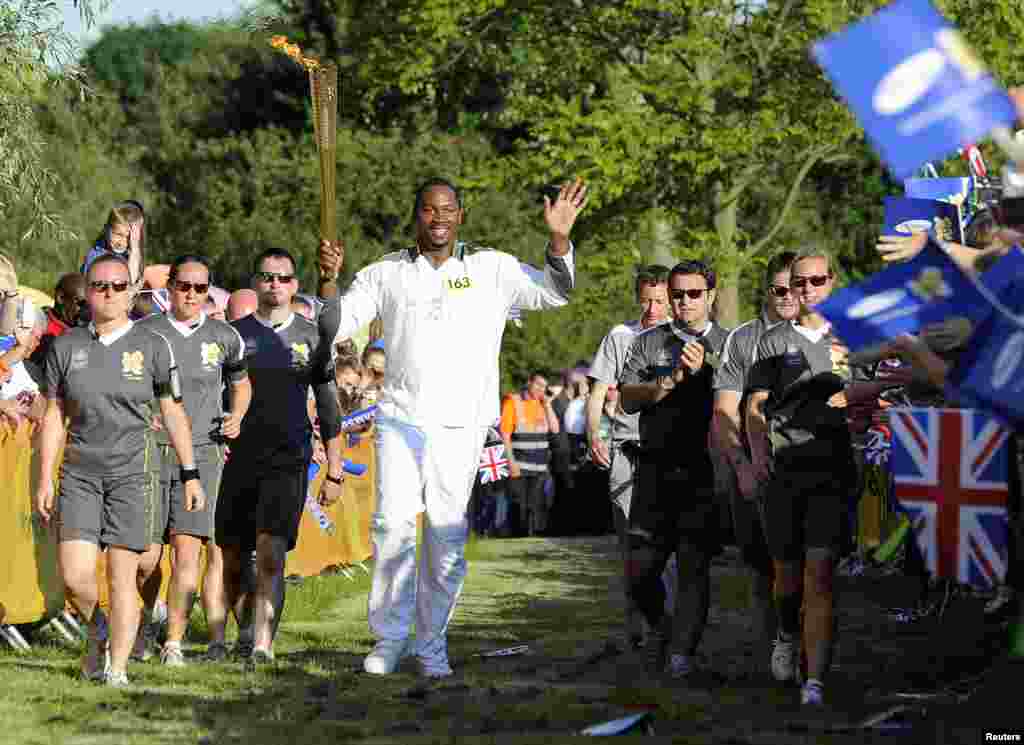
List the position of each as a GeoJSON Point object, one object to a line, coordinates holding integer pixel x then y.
{"type": "Point", "coordinates": [905, 216]}
{"type": "Point", "coordinates": [989, 374]}
{"type": "Point", "coordinates": [914, 84]}
{"type": "Point", "coordinates": [946, 189]}
{"type": "Point", "coordinates": [901, 299]}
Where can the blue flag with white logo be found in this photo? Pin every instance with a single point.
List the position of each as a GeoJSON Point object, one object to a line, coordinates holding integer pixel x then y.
{"type": "Point", "coordinates": [946, 189]}
{"type": "Point", "coordinates": [906, 216]}
{"type": "Point", "coordinates": [914, 84]}
{"type": "Point", "coordinates": [989, 374]}
{"type": "Point", "coordinates": [901, 299]}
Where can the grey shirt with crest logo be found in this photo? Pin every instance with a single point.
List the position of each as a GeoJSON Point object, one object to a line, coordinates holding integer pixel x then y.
{"type": "Point", "coordinates": [800, 377]}
{"type": "Point", "coordinates": [206, 356]}
{"type": "Point", "coordinates": [109, 395]}
{"type": "Point", "coordinates": [675, 430]}
{"type": "Point", "coordinates": [607, 367]}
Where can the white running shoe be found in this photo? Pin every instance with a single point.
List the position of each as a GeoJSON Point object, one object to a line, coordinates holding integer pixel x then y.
{"type": "Point", "coordinates": [784, 659]}
{"type": "Point", "coordinates": [812, 693]}
{"type": "Point", "coordinates": [172, 656]}
{"type": "Point", "coordinates": [386, 655]}
{"type": "Point", "coordinates": [116, 680]}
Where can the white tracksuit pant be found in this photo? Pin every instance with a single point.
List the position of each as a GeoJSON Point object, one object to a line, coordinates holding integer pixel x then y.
{"type": "Point", "coordinates": [427, 470]}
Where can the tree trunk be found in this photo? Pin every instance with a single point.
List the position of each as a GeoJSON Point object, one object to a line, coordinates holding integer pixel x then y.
{"type": "Point", "coordinates": [662, 235]}
{"type": "Point", "coordinates": [726, 260]}
{"type": "Point", "coordinates": [727, 303]}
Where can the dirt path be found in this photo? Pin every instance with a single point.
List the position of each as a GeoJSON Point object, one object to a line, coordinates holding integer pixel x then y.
{"type": "Point", "coordinates": [568, 611]}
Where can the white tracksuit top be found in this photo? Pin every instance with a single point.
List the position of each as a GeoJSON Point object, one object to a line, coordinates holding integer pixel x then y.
{"type": "Point", "coordinates": [443, 327]}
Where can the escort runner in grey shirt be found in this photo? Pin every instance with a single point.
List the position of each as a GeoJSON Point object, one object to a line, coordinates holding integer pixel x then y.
{"type": "Point", "coordinates": [800, 376]}
{"type": "Point", "coordinates": [206, 354]}
{"type": "Point", "coordinates": [109, 394]}
{"type": "Point", "coordinates": [607, 367]}
{"type": "Point", "coordinates": [739, 355]}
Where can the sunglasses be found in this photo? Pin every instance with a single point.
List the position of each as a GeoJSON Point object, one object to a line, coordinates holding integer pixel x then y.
{"type": "Point", "coordinates": [816, 280]}
{"type": "Point", "coordinates": [100, 286]}
{"type": "Point", "coordinates": [269, 277]}
{"type": "Point", "coordinates": [779, 290]}
{"type": "Point", "coordinates": [680, 294]}
{"type": "Point", "coordinates": [199, 287]}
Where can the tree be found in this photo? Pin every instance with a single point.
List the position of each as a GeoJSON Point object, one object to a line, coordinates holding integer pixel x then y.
{"type": "Point", "coordinates": [35, 51]}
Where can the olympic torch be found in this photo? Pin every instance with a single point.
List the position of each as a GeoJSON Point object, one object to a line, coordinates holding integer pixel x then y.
{"type": "Point", "coordinates": [323, 90]}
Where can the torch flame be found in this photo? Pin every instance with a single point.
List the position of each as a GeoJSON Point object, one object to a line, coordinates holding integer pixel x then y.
{"type": "Point", "coordinates": [295, 52]}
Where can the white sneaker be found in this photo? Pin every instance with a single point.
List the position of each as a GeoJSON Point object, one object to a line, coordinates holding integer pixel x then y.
{"type": "Point", "coordinates": [386, 655]}
{"type": "Point", "coordinates": [678, 666]}
{"type": "Point", "coordinates": [435, 666]}
{"type": "Point", "coordinates": [116, 680]}
{"type": "Point", "coordinates": [784, 659]}
{"type": "Point", "coordinates": [172, 656]}
{"type": "Point", "coordinates": [812, 693]}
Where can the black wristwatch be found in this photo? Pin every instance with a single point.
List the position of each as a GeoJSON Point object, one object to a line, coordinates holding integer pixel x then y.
{"type": "Point", "coordinates": [335, 481]}
{"type": "Point", "coordinates": [189, 474]}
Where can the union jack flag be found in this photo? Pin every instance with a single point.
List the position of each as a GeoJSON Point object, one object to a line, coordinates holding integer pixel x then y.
{"type": "Point", "coordinates": [950, 468]}
{"type": "Point", "coordinates": [493, 464]}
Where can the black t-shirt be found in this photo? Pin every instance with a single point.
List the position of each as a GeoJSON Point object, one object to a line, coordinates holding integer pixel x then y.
{"type": "Point", "coordinates": [675, 430]}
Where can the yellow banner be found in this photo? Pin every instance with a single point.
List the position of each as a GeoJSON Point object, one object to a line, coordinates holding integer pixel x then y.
{"type": "Point", "coordinates": [30, 586]}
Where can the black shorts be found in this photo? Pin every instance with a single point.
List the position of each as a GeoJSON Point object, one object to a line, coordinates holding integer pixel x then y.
{"type": "Point", "coordinates": [805, 505]}
{"type": "Point", "coordinates": [262, 495]}
{"type": "Point", "coordinates": [673, 503]}
{"type": "Point", "coordinates": [746, 516]}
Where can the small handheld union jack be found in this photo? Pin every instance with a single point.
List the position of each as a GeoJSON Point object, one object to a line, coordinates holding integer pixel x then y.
{"type": "Point", "coordinates": [951, 470]}
{"type": "Point", "coordinates": [493, 464]}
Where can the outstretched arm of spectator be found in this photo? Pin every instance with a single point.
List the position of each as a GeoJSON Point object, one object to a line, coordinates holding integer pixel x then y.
{"type": "Point", "coordinates": [595, 408]}
{"type": "Point", "coordinates": [898, 248]}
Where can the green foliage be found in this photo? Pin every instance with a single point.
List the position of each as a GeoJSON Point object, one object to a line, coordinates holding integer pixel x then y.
{"type": "Point", "coordinates": [120, 58]}
{"type": "Point", "coordinates": [704, 129]}
{"type": "Point", "coordinates": [35, 52]}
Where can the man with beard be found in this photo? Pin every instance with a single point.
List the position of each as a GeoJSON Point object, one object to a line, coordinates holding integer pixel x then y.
{"type": "Point", "coordinates": [443, 307]}
{"type": "Point", "coordinates": [734, 474]}
{"type": "Point", "coordinates": [801, 451]}
{"type": "Point", "coordinates": [667, 379]}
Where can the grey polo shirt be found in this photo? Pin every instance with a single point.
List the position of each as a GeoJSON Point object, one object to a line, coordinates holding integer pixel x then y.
{"type": "Point", "coordinates": [800, 376]}
{"type": "Point", "coordinates": [282, 364]}
{"type": "Point", "coordinates": [109, 386]}
{"type": "Point", "coordinates": [207, 353]}
{"type": "Point", "coordinates": [676, 428]}
{"type": "Point", "coordinates": [739, 353]}
{"type": "Point", "coordinates": [607, 368]}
